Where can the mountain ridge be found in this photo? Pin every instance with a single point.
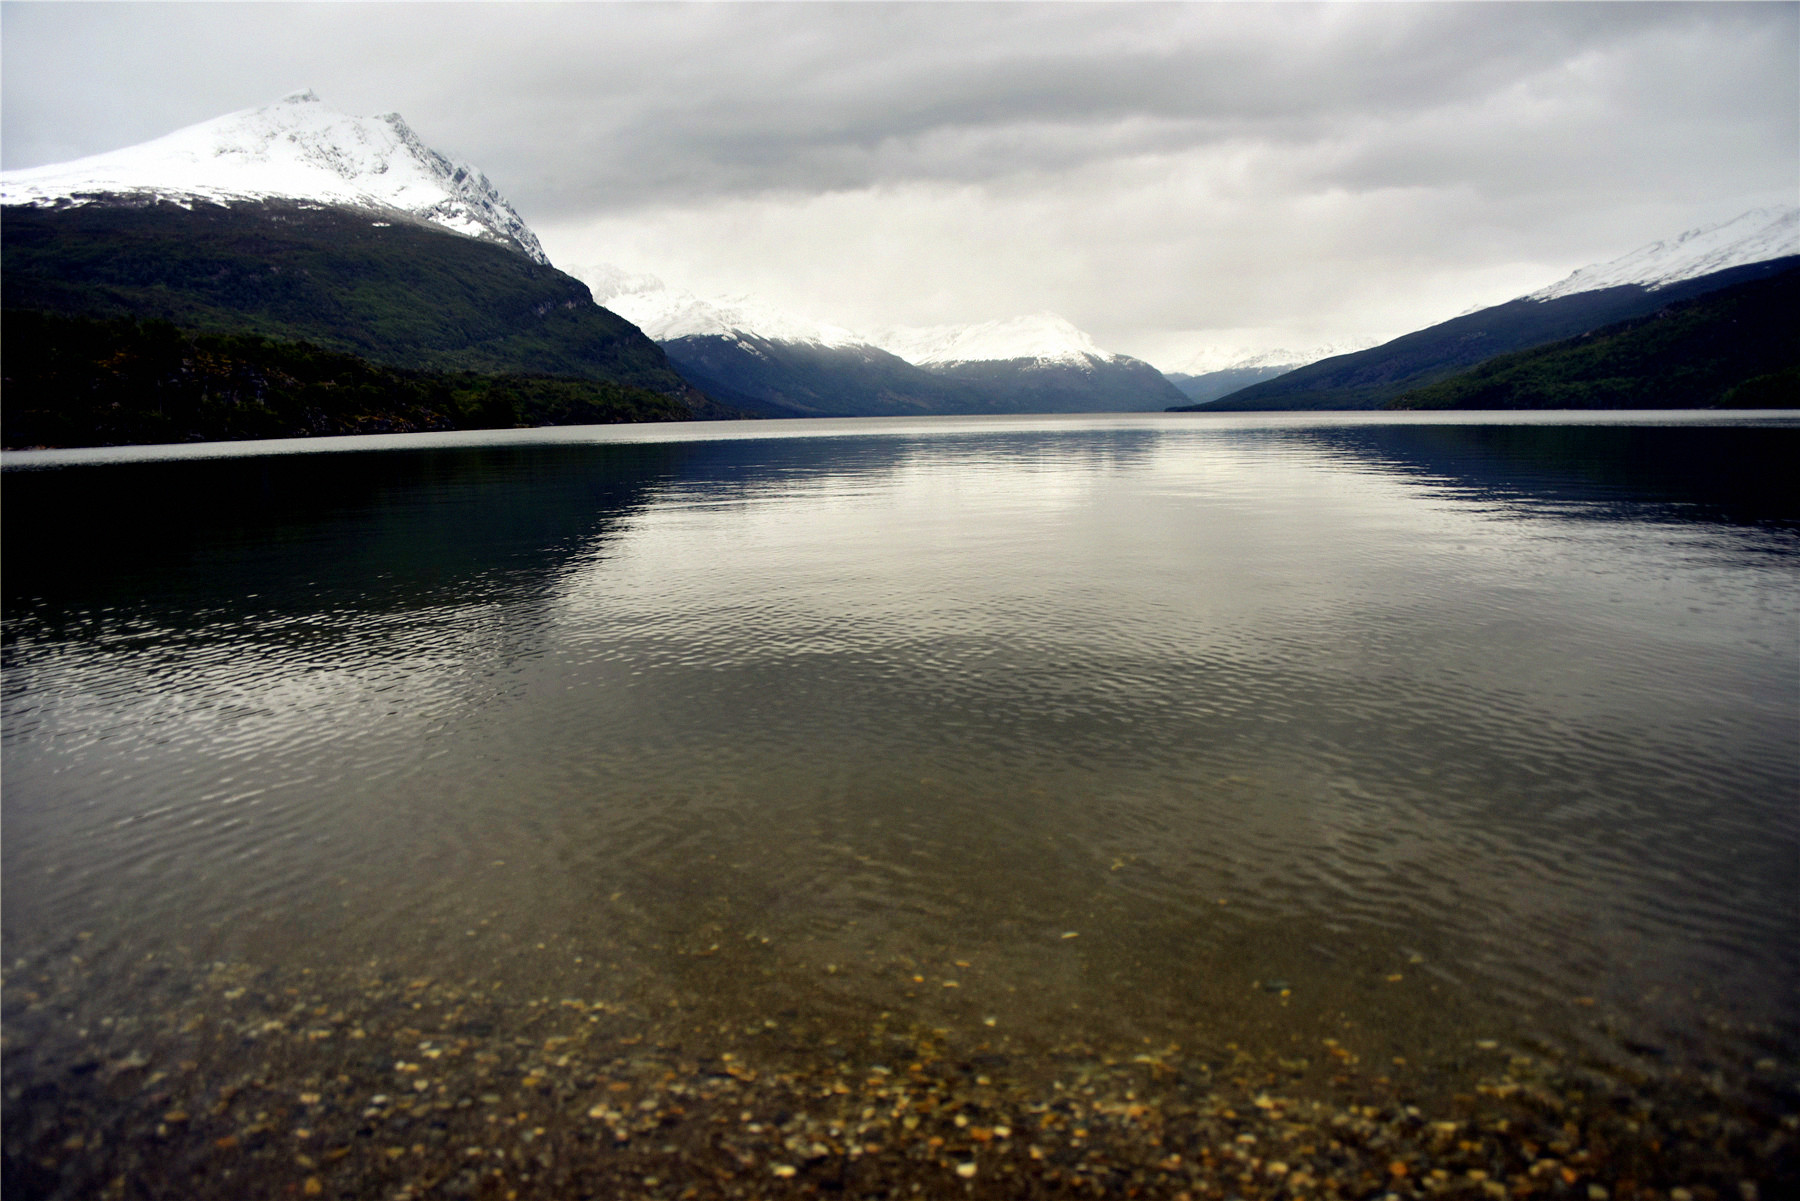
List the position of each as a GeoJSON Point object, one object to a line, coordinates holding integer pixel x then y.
{"type": "Point", "coordinates": [297, 149]}
{"type": "Point", "coordinates": [391, 267]}
{"type": "Point", "coordinates": [1630, 286]}
{"type": "Point", "coordinates": [1043, 338]}
{"type": "Point", "coordinates": [412, 295]}
{"type": "Point", "coordinates": [83, 381]}
{"type": "Point", "coordinates": [782, 364]}
{"type": "Point", "coordinates": [296, 222]}
{"type": "Point", "coordinates": [1731, 347]}
{"type": "Point", "coordinates": [1212, 360]}
{"type": "Point", "coordinates": [667, 314]}
{"type": "Point", "coordinates": [1755, 236]}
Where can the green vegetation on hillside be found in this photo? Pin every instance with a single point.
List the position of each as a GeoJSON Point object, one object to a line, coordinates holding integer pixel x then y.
{"type": "Point", "coordinates": [75, 381]}
{"type": "Point", "coordinates": [1738, 347]}
{"type": "Point", "coordinates": [397, 293]}
{"type": "Point", "coordinates": [798, 379]}
{"type": "Point", "coordinates": [1370, 379]}
{"type": "Point", "coordinates": [795, 379]}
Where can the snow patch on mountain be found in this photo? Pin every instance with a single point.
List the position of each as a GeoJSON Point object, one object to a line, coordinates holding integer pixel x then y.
{"type": "Point", "coordinates": [1043, 337]}
{"type": "Point", "coordinates": [1213, 359]}
{"type": "Point", "coordinates": [1754, 237]}
{"type": "Point", "coordinates": [298, 148]}
{"type": "Point", "coordinates": [666, 313]}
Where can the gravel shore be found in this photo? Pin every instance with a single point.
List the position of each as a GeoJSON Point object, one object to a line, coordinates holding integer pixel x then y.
{"type": "Point", "coordinates": [241, 1081]}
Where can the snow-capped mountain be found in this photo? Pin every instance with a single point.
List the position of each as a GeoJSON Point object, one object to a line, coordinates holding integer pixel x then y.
{"type": "Point", "coordinates": [1214, 373]}
{"type": "Point", "coordinates": [295, 149]}
{"type": "Point", "coordinates": [667, 313]}
{"type": "Point", "coordinates": [1042, 338]}
{"type": "Point", "coordinates": [1754, 237]}
{"type": "Point", "coordinates": [1759, 245]}
{"type": "Point", "coordinates": [296, 223]}
{"type": "Point", "coordinates": [1211, 360]}
{"type": "Point", "coordinates": [769, 360]}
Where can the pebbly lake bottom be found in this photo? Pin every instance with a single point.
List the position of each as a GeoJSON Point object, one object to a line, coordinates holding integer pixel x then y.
{"type": "Point", "coordinates": [1044, 808]}
{"type": "Point", "coordinates": [230, 1079]}
{"type": "Point", "coordinates": [414, 1087]}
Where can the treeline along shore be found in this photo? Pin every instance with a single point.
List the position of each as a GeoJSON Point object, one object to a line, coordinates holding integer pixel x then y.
{"type": "Point", "coordinates": [83, 381]}
{"type": "Point", "coordinates": [149, 322]}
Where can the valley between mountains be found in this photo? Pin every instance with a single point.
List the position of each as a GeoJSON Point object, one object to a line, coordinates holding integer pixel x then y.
{"type": "Point", "coordinates": [295, 271]}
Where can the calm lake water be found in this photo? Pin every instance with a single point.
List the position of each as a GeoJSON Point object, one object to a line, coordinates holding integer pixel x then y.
{"type": "Point", "coordinates": [1269, 735]}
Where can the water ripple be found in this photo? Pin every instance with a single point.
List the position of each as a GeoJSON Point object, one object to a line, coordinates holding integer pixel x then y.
{"type": "Point", "coordinates": [1228, 704]}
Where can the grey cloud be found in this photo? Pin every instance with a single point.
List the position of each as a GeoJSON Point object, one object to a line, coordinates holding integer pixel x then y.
{"type": "Point", "coordinates": [984, 93]}
{"type": "Point", "coordinates": [638, 104]}
{"type": "Point", "coordinates": [1136, 165]}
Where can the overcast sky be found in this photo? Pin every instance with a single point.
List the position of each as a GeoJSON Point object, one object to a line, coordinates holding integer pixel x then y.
{"type": "Point", "coordinates": [1172, 178]}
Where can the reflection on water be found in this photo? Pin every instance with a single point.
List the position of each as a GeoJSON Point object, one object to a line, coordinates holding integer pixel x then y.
{"type": "Point", "coordinates": [1164, 731]}
{"type": "Point", "coordinates": [1636, 473]}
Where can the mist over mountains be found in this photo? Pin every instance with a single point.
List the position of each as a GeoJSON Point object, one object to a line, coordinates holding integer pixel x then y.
{"type": "Point", "coordinates": [1212, 374]}
{"type": "Point", "coordinates": [775, 362]}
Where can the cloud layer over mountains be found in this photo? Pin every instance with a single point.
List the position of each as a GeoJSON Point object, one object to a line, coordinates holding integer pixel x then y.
{"type": "Point", "coordinates": [1171, 178]}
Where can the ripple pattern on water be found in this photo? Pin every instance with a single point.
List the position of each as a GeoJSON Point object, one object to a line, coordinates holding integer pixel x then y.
{"type": "Point", "coordinates": [1228, 704]}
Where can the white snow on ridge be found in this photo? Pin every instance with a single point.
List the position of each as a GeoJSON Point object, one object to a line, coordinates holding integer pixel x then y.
{"type": "Point", "coordinates": [295, 149]}
{"type": "Point", "coordinates": [1043, 337]}
{"type": "Point", "coordinates": [666, 313]}
{"type": "Point", "coordinates": [1210, 360]}
{"type": "Point", "coordinates": [1754, 237]}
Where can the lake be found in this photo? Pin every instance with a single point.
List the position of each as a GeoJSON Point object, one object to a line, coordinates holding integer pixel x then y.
{"type": "Point", "coordinates": [1289, 804]}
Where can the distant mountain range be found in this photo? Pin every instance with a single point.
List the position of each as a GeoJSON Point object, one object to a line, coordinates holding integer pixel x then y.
{"type": "Point", "coordinates": [1758, 245]}
{"type": "Point", "coordinates": [756, 356]}
{"type": "Point", "coordinates": [294, 270]}
{"type": "Point", "coordinates": [1211, 374]}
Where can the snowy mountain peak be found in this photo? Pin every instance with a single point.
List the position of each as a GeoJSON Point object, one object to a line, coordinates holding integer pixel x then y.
{"type": "Point", "coordinates": [1214, 359]}
{"type": "Point", "coordinates": [1044, 337]}
{"type": "Point", "coordinates": [298, 148]}
{"type": "Point", "coordinates": [666, 313]}
{"type": "Point", "coordinates": [1753, 237]}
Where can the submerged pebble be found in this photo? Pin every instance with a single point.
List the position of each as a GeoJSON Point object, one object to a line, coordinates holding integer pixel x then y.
{"type": "Point", "coordinates": [529, 1097]}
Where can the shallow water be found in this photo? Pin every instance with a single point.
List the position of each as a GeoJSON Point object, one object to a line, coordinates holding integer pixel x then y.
{"type": "Point", "coordinates": [1227, 734]}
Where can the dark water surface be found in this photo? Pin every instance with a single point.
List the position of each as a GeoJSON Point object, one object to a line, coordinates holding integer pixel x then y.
{"type": "Point", "coordinates": [1419, 753]}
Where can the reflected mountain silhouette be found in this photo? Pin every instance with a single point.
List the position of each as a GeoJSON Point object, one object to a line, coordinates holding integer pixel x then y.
{"type": "Point", "coordinates": [1736, 474]}
{"type": "Point", "coordinates": [636, 695]}
{"type": "Point", "coordinates": [394, 530]}
{"type": "Point", "coordinates": [397, 530]}
{"type": "Point", "coordinates": [374, 531]}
